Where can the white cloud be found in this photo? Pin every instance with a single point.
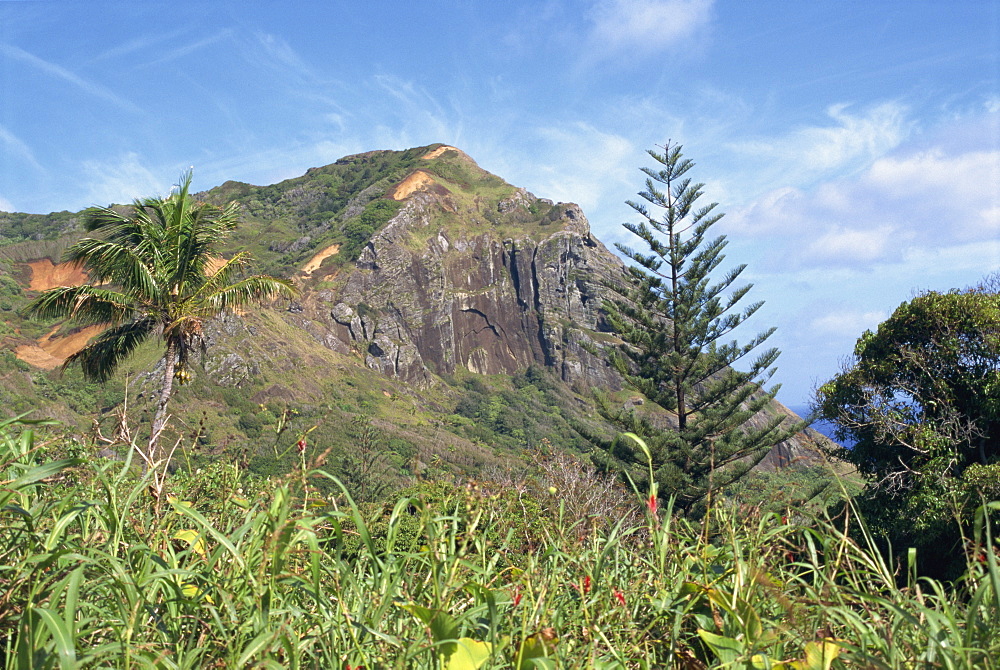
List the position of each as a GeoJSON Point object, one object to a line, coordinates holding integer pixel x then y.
{"type": "Point", "coordinates": [6, 206]}
{"type": "Point", "coordinates": [647, 25]}
{"type": "Point", "coordinates": [964, 185]}
{"type": "Point", "coordinates": [66, 75]}
{"type": "Point", "coordinates": [121, 181]}
{"type": "Point", "coordinates": [806, 155]}
{"type": "Point", "coordinates": [846, 323]}
{"type": "Point", "coordinates": [900, 204]}
{"type": "Point", "coordinates": [845, 245]}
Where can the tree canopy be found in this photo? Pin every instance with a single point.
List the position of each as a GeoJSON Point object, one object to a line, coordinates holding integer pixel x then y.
{"type": "Point", "coordinates": [675, 319]}
{"type": "Point", "coordinates": [920, 403]}
{"type": "Point", "coordinates": [154, 273]}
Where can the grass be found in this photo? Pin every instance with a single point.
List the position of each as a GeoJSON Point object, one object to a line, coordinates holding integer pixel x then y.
{"type": "Point", "coordinates": [233, 571]}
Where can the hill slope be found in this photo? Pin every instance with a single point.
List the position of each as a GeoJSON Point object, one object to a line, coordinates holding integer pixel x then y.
{"type": "Point", "coordinates": [453, 311]}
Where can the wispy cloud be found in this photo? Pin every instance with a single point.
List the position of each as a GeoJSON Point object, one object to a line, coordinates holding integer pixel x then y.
{"type": "Point", "coordinates": [298, 77]}
{"type": "Point", "coordinates": [68, 76]}
{"type": "Point", "coordinates": [805, 155]}
{"type": "Point", "coordinates": [142, 43]}
{"type": "Point", "coordinates": [5, 205]}
{"type": "Point", "coordinates": [647, 26]}
{"type": "Point", "coordinates": [181, 51]}
{"type": "Point", "coordinates": [577, 162]}
{"type": "Point", "coordinates": [121, 180]}
{"type": "Point", "coordinates": [18, 148]}
{"type": "Point", "coordinates": [418, 116]}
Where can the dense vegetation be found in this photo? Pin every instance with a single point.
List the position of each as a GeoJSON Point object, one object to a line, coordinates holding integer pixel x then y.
{"type": "Point", "coordinates": [674, 317]}
{"type": "Point", "coordinates": [237, 571]}
{"type": "Point", "coordinates": [920, 404]}
{"type": "Point", "coordinates": [310, 519]}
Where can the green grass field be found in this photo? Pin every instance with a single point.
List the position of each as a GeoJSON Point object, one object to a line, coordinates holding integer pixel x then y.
{"type": "Point", "coordinates": [231, 571]}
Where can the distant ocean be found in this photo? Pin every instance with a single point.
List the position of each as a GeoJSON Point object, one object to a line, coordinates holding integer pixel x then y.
{"type": "Point", "coordinates": [824, 427]}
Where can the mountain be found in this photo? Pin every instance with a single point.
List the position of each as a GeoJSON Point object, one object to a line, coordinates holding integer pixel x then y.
{"type": "Point", "coordinates": [458, 314]}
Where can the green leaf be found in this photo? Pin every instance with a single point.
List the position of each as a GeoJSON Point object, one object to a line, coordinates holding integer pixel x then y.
{"type": "Point", "coordinates": [534, 651]}
{"type": "Point", "coordinates": [43, 471]}
{"type": "Point", "coordinates": [61, 634]}
{"type": "Point", "coordinates": [442, 625]}
{"type": "Point", "coordinates": [726, 648]}
{"type": "Point", "coordinates": [469, 654]}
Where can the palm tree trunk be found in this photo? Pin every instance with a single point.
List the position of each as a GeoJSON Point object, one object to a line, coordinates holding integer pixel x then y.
{"type": "Point", "coordinates": [160, 418]}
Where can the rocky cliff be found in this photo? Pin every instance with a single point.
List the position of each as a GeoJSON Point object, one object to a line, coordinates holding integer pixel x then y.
{"type": "Point", "coordinates": [414, 267]}
{"type": "Point", "coordinates": [458, 280]}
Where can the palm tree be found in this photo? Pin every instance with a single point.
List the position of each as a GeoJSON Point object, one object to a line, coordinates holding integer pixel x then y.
{"type": "Point", "coordinates": [153, 273]}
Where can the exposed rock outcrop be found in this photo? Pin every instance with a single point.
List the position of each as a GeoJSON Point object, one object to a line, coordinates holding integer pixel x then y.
{"type": "Point", "coordinates": [427, 295]}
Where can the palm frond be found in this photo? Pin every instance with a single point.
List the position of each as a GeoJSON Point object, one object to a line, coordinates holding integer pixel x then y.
{"type": "Point", "coordinates": [101, 358]}
{"type": "Point", "coordinates": [229, 273]}
{"type": "Point", "coordinates": [90, 305]}
{"type": "Point", "coordinates": [247, 291]}
{"type": "Point", "coordinates": [115, 263]}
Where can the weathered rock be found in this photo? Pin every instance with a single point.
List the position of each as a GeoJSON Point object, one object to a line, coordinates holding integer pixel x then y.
{"type": "Point", "coordinates": [468, 298]}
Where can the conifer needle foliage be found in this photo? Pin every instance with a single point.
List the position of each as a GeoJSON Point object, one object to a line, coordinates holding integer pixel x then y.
{"type": "Point", "coordinates": [675, 318]}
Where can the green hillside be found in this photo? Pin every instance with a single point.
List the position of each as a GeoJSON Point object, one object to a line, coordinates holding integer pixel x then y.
{"type": "Point", "coordinates": [271, 376]}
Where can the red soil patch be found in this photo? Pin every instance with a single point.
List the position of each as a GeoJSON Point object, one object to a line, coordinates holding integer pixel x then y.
{"type": "Point", "coordinates": [50, 352]}
{"type": "Point", "coordinates": [318, 259]}
{"type": "Point", "coordinates": [417, 181]}
{"type": "Point", "coordinates": [45, 275]}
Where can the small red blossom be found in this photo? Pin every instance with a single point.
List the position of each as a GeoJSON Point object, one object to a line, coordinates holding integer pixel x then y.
{"type": "Point", "coordinates": [586, 585]}
{"type": "Point", "coordinates": [301, 445]}
{"type": "Point", "coordinates": [515, 596]}
{"type": "Point", "coordinates": [652, 503]}
{"type": "Point", "coordinates": [619, 596]}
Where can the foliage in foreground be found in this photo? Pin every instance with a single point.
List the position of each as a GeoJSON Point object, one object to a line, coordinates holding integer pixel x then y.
{"type": "Point", "coordinates": [151, 277]}
{"type": "Point", "coordinates": [920, 404]}
{"type": "Point", "coordinates": [266, 574]}
{"type": "Point", "coordinates": [674, 317]}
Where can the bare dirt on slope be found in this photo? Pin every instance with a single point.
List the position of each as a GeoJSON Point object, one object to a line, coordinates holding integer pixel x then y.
{"type": "Point", "coordinates": [417, 181]}
{"type": "Point", "coordinates": [49, 352]}
{"type": "Point", "coordinates": [45, 275]}
{"type": "Point", "coordinates": [430, 155]}
{"type": "Point", "coordinates": [318, 259]}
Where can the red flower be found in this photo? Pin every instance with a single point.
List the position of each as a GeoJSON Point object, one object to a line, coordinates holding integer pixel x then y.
{"type": "Point", "coordinates": [652, 503]}
{"type": "Point", "coordinates": [586, 585]}
{"type": "Point", "coordinates": [301, 445]}
{"type": "Point", "coordinates": [619, 596]}
{"type": "Point", "coordinates": [515, 596]}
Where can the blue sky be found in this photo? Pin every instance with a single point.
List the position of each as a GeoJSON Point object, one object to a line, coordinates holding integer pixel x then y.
{"type": "Point", "coordinates": [855, 146]}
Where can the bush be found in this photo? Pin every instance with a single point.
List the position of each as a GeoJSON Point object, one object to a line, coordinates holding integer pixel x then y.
{"type": "Point", "coordinates": [237, 572]}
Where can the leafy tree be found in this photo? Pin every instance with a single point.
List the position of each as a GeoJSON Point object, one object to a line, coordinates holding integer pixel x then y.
{"type": "Point", "coordinates": [920, 402]}
{"type": "Point", "coordinates": [673, 319]}
{"type": "Point", "coordinates": [153, 274]}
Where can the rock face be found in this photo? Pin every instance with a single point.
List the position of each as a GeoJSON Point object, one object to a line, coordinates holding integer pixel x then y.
{"type": "Point", "coordinates": [492, 285]}
{"type": "Point", "coordinates": [494, 288]}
